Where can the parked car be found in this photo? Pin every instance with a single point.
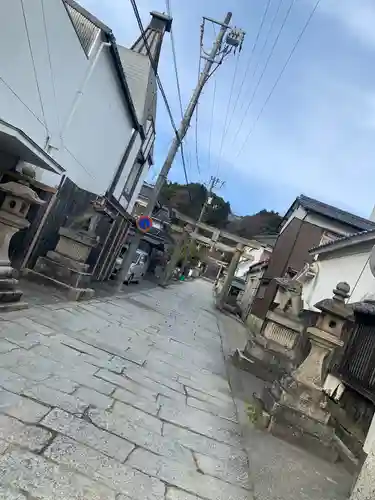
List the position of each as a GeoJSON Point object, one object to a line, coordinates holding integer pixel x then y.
{"type": "Point", "coordinates": [137, 269]}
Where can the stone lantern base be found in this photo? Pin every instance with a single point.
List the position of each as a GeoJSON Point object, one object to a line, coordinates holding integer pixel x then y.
{"type": "Point", "coordinates": [65, 267]}
{"type": "Point", "coordinates": [275, 351]}
{"type": "Point", "coordinates": [298, 414]}
{"type": "Point", "coordinates": [10, 295]}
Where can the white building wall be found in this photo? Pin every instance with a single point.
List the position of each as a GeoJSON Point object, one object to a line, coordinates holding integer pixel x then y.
{"type": "Point", "coordinates": [138, 188]}
{"type": "Point", "coordinates": [44, 67]}
{"type": "Point", "coordinates": [353, 269]}
{"type": "Point", "coordinates": [298, 213]}
{"type": "Point", "coordinates": [249, 259]}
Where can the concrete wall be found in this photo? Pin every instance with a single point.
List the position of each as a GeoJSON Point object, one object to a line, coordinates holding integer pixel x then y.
{"type": "Point", "coordinates": [352, 268]}
{"type": "Point", "coordinates": [60, 97]}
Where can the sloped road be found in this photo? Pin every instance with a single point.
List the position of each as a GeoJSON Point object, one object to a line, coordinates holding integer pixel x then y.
{"type": "Point", "coordinates": [128, 398]}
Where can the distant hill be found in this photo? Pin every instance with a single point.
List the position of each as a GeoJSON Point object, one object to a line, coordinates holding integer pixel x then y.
{"type": "Point", "coordinates": [190, 198]}
{"type": "Point", "coordinates": [263, 222]}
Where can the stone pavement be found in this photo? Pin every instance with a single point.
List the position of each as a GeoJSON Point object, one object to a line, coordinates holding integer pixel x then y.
{"type": "Point", "coordinates": [127, 397]}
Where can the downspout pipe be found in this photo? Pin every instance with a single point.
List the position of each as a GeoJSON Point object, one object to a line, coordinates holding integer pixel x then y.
{"type": "Point", "coordinates": [80, 91]}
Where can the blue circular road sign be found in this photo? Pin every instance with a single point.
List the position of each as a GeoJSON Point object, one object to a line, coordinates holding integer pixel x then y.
{"type": "Point", "coordinates": [144, 223]}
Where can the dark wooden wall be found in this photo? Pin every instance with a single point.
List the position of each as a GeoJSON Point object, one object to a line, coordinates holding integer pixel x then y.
{"type": "Point", "coordinates": [291, 250]}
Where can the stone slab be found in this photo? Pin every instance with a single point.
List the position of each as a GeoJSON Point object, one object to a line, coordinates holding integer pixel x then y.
{"type": "Point", "coordinates": [21, 408]}
{"type": "Point", "coordinates": [86, 433]}
{"type": "Point", "coordinates": [185, 478]}
{"type": "Point", "coordinates": [140, 436]}
{"type": "Point", "coordinates": [202, 423]}
{"type": "Point", "coordinates": [44, 480]}
{"type": "Point", "coordinates": [28, 436]}
{"type": "Point", "coordinates": [202, 444]}
{"type": "Point", "coordinates": [135, 400]}
{"type": "Point", "coordinates": [137, 417]}
{"type": "Point", "coordinates": [113, 474]}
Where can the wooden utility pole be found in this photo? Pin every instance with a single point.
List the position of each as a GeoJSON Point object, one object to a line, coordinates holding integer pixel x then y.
{"type": "Point", "coordinates": [215, 57]}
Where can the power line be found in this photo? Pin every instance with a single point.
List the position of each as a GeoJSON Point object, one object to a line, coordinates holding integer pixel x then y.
{"type": "Point", "coordinates": [267, 36]}
{"type": "Point", "coordinates": [280, 75]}
{"type": "Point", "coordinates": [197, 106]}
{"type": "Point", "coordinates": [265, 68]}
{"type": "Point", "coordinates": [250, 60]}
{"type": "Point", "coordinates": [169, 10]}
{"type": "Point", "coordinates": [34, 66]}
{"type": "Point", "coordinates": [211, 126]}
{"type": "Point", "coordinates": [227, 113]}
{"type": "Point", "coordinates": [158, 81]}
{"type": "Point", "coordinates": [50, 63]}
{"type": "Point", "coordinates": [153, 64]}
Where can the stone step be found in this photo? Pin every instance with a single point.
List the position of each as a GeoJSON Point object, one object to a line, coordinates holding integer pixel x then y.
{"type": "Point", "coordinates": [8, 283]}
{"type": "Point", "coordinates": [352, 463]}
{"type": "Point", "coordinates": [8, 296]}
{"type": "Point", "coordinates": [13, 306]}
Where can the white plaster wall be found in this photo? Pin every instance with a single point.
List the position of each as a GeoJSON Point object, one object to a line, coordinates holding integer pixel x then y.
{"type": "Point", "coordinates": [249, 259]}
{"type": "Point", "coordinates": [298, 213]}
{"type": "Point", "coordinates": [127, 168]}
{"type": "Point", "coordinates": [353, 269]}
{"type": "Point", "coordinates": [91, 147]}
{"type": "Point", "coordinates": [329, 224]}
{"type": "Point", "coordinates": [138, 188]}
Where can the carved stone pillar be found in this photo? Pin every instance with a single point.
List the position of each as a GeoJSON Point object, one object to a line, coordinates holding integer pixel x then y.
{"type": "Point", "coordinates": [275, 350]}
{"type": "Point", "coordinates": [18, 198]}
{"type": "Point", "coordinates": [297, 405]}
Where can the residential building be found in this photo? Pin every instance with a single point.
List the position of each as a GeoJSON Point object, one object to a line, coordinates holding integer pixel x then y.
{"type": "Point", "coordinates": [159, 237]}
{"type": "Point", "coordinates": [306, 224]}
{"type": "Point", "coordinates": [71, 106]}
{"type": "Point", "coordinates": [346, 259]}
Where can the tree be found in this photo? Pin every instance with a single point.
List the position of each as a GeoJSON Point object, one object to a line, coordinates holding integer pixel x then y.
{"type": "Point", "coordinates": [189, 199]}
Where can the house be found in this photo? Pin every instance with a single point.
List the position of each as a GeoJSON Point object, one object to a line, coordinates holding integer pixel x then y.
{"type": "Point", "coordinates": [253, 278]}
{"type": "Point", "coordinates": [346, 259]}
{"type": "Point", "coordinates": [70, 106]}
{"type": "Point", "coordinates": [252, 256]}
{"type": "Point", "coordinates": [307, 223]}
{"type": "Point", "coordinates": [159, 237]}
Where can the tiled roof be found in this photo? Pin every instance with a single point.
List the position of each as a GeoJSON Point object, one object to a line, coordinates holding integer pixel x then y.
{"type": "Point", "coordinates": [346, 239]}
{"type": "Point", "coordinates": [335, 213]}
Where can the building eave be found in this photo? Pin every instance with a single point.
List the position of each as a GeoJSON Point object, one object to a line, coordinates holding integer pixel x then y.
{"type": "Point", "coordinates": [366, 237]}
{"type": "Point", "coordinates": [15, 142]}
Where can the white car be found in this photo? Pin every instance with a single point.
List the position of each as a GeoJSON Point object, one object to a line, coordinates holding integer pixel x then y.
{"type": "Point", "coordinates": [137, 268]}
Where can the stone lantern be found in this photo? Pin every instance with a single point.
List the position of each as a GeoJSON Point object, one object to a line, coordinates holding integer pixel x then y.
{"type": "Point", "coordinates": [13, 212]}
{"type": "Point", "coordinates": [66, 267]}
{"type": "Point", "coordinates": [275, 350]}
{"type": "Point", "coordinates": [297, 404]}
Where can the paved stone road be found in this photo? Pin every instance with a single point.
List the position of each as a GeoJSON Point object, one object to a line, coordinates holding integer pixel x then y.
{"type": "Point", "coordinates": [127, 398]}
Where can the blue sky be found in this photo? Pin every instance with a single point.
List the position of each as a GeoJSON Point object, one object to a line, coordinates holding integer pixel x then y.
{"type": "Point", "coordinates": [315, 136]}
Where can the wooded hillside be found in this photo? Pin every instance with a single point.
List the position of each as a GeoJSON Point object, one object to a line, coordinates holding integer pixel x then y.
{"type": "Point", "coordinates": [218, 214]}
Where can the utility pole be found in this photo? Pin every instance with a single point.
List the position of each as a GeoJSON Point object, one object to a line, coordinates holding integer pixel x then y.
{"type": "Point", "coordinates": [214, 182]}
{"type": "Point", "coordinates": [215, 57]}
